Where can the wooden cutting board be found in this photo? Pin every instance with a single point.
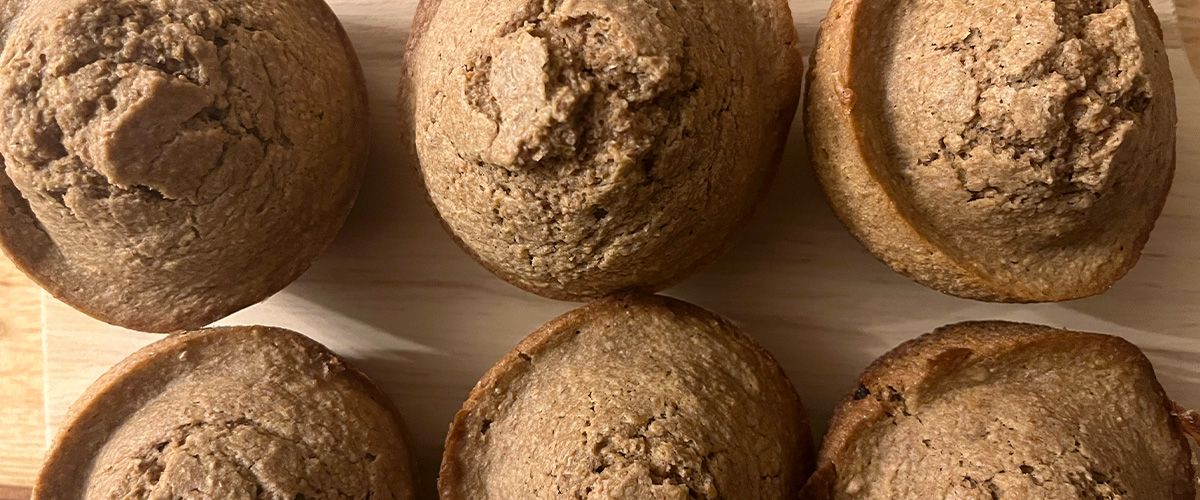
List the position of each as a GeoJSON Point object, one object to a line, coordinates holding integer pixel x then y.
{"type": "Point", "coordinates": [399, 299]}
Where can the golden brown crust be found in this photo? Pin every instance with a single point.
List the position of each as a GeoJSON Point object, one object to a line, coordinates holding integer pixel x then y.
{"type": "Point", "coordinates": [457, 469]}
{"type": "Point", "coordinates": [1189, 420]}
{"type": "Point", "coordinates": [84, 453]}
{"type": "Point", "coordinates": [172, 301]}
{"type": "Point", "coordinates": [845, 147]}
{"type": "Point", "coordinates": [568, 285]}
{"type": "Point", "coordinates": [901, 376]}
{"type": "Point", "coordinates": [868, 212]}
{"type": "Point", "coordinates": [424, 14]}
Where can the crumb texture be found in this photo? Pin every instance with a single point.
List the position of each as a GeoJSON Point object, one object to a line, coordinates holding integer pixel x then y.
{"type": "Point", "coordinates": [252, 415]}
{"type": "Point", "coordinates": [1055, 415]}
{"type": "Point", "coordinates": [161, 155]}
{"type": "Point", "coordinates": [579, 147]}
{"type": "Point", "coordinates": [641, 401]}
{"type": "Point", "coordinates": [1018, 130]}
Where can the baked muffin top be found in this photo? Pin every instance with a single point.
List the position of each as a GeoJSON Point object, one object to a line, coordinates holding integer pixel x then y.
{"type": "Point", "coordinates": [580, 147]}
{"type": "Point", "coordinates": [1005, 410]}
{"type": "Point", "coordinates": [246, 412]}
{"type": "Point", "coordinates": [168, 162]}
{"type": "Point", "coordinates": [1029, 145]}
{"type": "Point", "coordinates": [630, 397]}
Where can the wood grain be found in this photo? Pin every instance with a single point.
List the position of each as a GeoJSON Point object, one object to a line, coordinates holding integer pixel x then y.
{"type": "Point", "coordinates": [398, 298]}
{"type": "Point", "coordinates": [14, 492]}
{"type": "Point", "coordinates": [1188, 12]}
{"type": "Point", "coordinates": [22, 426]}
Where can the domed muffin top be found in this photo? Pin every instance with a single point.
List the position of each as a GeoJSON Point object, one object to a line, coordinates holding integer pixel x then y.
{"type": "Point", "coordinates": [1011, 151]}
{"type": "Point", "coordinates": [167, 162]}
{"type": "Point", "coordinates": [245, 412]}
{"type": "Point", "coordinates": [630, 397]}
{"type": "Point", "coordinates": [1006, 410]}
{"type": "Point", "coordinates": [579, 147]}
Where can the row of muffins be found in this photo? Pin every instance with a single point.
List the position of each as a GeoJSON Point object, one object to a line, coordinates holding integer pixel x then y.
{"type": "Point", "coordinates": [636, 396]}
{"type": "Point", "coordinates": [167, 163]}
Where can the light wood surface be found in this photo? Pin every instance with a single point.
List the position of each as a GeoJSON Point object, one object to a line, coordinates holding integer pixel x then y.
{"type": "Point", "coordinates": [1188, 12]}
{"type": "Point", "coordinates": [22, 423]}
{"type": "Point", "coordinates": [396, 296]}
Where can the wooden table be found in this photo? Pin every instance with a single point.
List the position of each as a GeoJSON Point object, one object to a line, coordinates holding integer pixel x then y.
{"type": "Point", "coordinates": [1188, 13]}
{"type": "Point", "coordinates": [393, 279]}
{"type": "Point", "coordinates": [22, 426]}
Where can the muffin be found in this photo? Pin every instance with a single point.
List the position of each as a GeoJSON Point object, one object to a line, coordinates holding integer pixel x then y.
{"type": "Point", "coordinates": [578, 148]}
{"type": "Point", "coordinates": [630, 397]}
{"type": "Point", "coordinates": [993, 150]}
{"type": "Point", "coordinates": [245, 412]}
{"type": "Point", "coordinates": [1006, 411]}
{"type": "Point", "coordinates": [168, 162]}
{"type": "Point", "coordinates": [8, 10]}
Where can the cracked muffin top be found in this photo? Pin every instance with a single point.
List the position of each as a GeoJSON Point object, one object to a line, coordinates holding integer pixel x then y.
{"type": "Point", "coordinates": [168, 162]}
{"type": "Point", "coordinates": [223, 413]}
{"type": "Point", "coordinates": [996, 410]}
{"type": "Point", "coordinates": [581, 147]}
{"type": "Point", "coordinates": [630, 397]}
{"type": "Point", "coordinates": [995, 150]}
